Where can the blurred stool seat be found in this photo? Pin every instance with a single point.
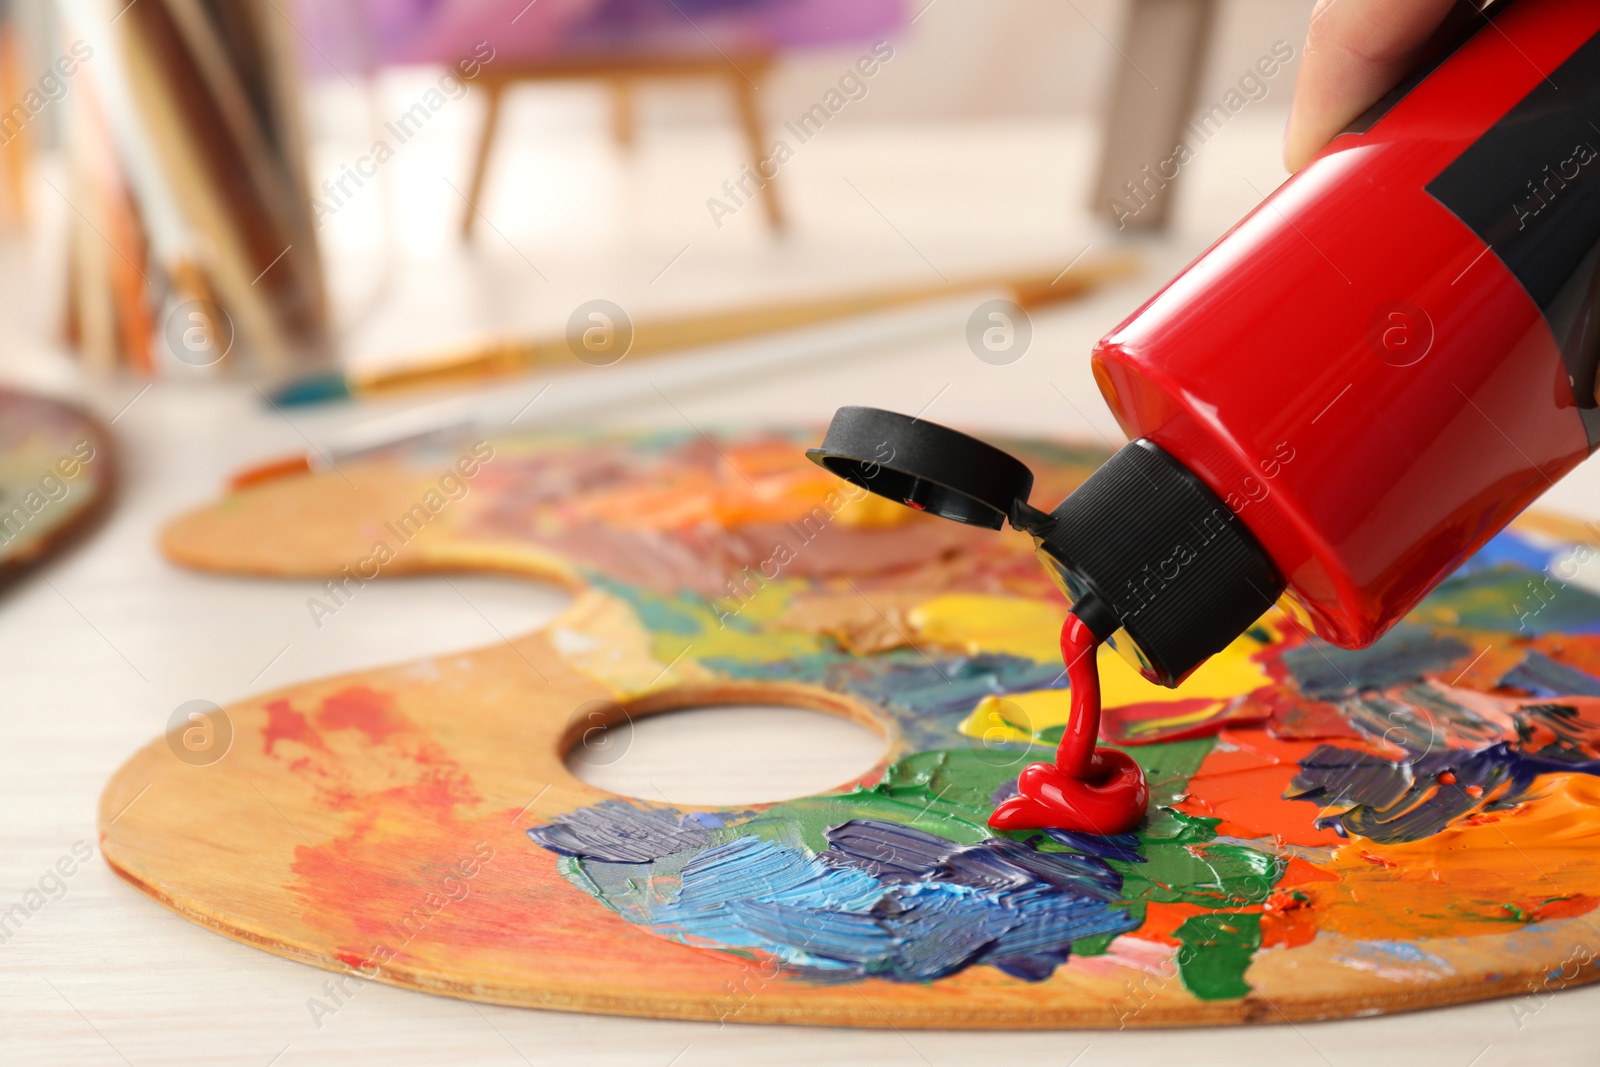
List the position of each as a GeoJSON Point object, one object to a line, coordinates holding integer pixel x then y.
{"type": "Point", "coordinates": [620, 42]}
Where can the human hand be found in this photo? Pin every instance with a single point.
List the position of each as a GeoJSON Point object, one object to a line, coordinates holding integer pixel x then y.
{"type": "Point", "coordinates": [1356, 51]}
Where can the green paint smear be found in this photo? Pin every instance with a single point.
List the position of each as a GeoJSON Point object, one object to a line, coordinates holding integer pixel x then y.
{"type": "Point", "coordinates": [950, 776]}
{"type": "Point", "coordinates": [1210, 875]}
{"type": "Point", "coordinates": [1099, 946]}
{"type": "Point", "coordinates": [1168, 767]}
{"type": "Point", "coordinates": [682, 623]}
{"type": "Point", "coordinates": [944, 792]}
{"type": "Point", "coordinates": [1216, 950]}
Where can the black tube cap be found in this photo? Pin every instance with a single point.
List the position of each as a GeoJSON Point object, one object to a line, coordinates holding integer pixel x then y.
{"type": "Point", "coordinates": [1180, 571]}
{"type": "Point", "coordinates": [1149, 556]}
{"type": "Point", "coordinates": [924, 466]}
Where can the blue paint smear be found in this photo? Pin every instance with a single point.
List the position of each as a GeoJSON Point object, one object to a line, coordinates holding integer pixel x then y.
{"type": "Point", "coordinates": [1404, 654]}
{"type": "Point", "coordinates": [1419, 718]}
{"type": "Point", "coordinates": [890, 852]}
{"type": "Point", "coordinates": [1122, 847]}
{"type": "Point", "coordinates": [1394, 801]}
{"type": "Point", "coordinates": [751, 868]}
{"type": "Point", "coordinates": [618, 832]}
{"type": "Point", "coordinates": [1055, 920]}
{"type": "Point", "coordinates": [897, 854]}
{"type": "Point", "coordinates": [926, 699]}
{"type": "Point", "coordinates": [717, 883]}
{"type": "Point", "coordinates": [1541, 676]}
{"type": "Point", "coordinates": [850, 940]}
{"type": "Point", "coordinates": [1000, 864]}
{"type": "Point", "coordinates": [940, 929]}
{"type": "Point", "coordinates": [883, 899]}
{"type": "Point", "coordinates": [1508, 549]}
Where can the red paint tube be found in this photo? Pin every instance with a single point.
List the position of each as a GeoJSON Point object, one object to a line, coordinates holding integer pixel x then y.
{"type": "Point", "coordinates": [1395, 353]}
{"type": "Point", "coordinates": [1345, 397]}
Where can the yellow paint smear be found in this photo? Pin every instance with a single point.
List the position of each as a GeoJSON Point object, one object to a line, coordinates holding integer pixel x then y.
{"type": "Point", "coordinates": [977, 623]}
{"type": "Point", "coordinates": [1008, 719]}
{"type": "Point", "coordinates": [601, 636]}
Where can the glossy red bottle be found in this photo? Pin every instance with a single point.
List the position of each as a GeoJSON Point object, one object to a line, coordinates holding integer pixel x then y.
{"type": "Point", "coordinates": [1395, 353]}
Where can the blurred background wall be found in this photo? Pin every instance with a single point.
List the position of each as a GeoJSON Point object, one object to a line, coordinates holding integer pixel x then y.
{"type": "Point", "coordinates": [977, 59]}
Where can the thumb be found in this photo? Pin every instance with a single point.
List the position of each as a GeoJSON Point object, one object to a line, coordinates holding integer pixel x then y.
{"type": "Point", "coordinates": [1356, 50]}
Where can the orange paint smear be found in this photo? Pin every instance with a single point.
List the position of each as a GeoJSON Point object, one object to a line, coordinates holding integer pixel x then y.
{"type": "Point", "coordinates": [763, 482]}
{"type": "Point", "coordinates": [1583, 732]}
{"type": "Point", "coordinates": [1575, 650]}
{"type": "Point", "coordinates": [1242, 781]}
{"type": "Point", "coordinates": [423, 876]}
{"type": "Point", "coordinates": [363, 709]}
{"type": "Point", "coordinates": [1160, 920]}
{"type": "Point", "coordinates": [1298, 872]}
{"type": "Point", "coordinates": [1482, 675]}
{"type": "Point", "coordinates": [286, 724]}
{"type": "Point", "coordinates": [1288, 920]}
{"type": "Point", "coordinates": [1472, 878]}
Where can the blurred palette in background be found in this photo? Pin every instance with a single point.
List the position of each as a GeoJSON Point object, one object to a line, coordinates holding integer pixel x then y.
{"type": "Point", "coordinates": [57, 473]}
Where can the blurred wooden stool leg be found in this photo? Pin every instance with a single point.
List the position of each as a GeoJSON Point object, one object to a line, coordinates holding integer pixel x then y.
{"type": "Point", "coordinates": [495, 88]}
{"type": "Point", "coordinates": [623, 128]}
{"type": "Point", "coordinates": [1152, 97]}
{"type": "Point", "coordinates": [744, 94]}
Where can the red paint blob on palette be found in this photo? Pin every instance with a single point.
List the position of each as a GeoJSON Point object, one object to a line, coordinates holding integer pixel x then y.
{"type": "Point", "coordinates": [1088, 790]}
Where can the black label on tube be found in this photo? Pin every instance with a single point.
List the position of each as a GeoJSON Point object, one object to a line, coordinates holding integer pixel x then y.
{"type": "Point", "coordinates": [1530, 188]}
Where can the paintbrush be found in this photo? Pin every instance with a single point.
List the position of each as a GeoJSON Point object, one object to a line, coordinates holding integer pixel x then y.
{"type": "Point", "coordinates": [515, 356]}
{"type": "Point", "coordinates": [443, 421]}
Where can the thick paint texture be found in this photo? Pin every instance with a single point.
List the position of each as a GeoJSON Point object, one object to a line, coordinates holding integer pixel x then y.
{"type": "Point", "coordinates": [1296, 788]}
{"type": "Point", "coordinates": [902, 880]}
{"type": "Point", "coordinates": [882, 899]}
{"type": "Point", "coordinates": [1370, 811]}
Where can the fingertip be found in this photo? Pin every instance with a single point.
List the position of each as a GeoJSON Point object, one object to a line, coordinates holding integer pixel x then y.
{"type": "Point", "coordinates": [1356, 50]}
{"type": "Point", "coordinates": [1298, 145]}
{"type": "Point", "coordinates": [1289, 160]}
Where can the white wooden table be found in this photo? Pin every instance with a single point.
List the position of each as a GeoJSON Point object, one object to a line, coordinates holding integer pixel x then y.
{"type": "Point", "coordinates": [96, 652]}
{"type": "Point", "coordinates": [99, 650]}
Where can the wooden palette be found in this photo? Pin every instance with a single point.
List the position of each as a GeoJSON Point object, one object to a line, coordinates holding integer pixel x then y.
{"type": "Point", "coordinates": [1332, 833]}
{"type": "Point", "coordinates": [57, 471]}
